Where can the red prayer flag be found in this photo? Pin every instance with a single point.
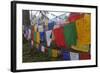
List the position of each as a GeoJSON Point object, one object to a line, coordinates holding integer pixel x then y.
{"type": "Point", "coordinates": [84, 56]}
{"type": "Point", "coordinates": [32, 35]}
{"type": "Point", "coordinates": [59, 37]}
{"type": "Point", "coordinates": [74, 16]}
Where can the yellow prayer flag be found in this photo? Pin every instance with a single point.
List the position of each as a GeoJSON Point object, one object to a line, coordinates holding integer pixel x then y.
{"type": "Point", "coordinates": [37, 38]}
{"type": "Point", "coordinates": [35, 28]}
{"type": "Point", "coordinates": [83, 29]}
{"type": "Point", "coordinates": [54, 53]}
{"type": "Point", "coordinates": [82, 48]}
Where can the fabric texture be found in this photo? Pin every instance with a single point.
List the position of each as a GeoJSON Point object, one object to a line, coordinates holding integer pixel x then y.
{"type": "Point", "coordinates": [59, 37]}
{"type": "Point", "coordinates": [70, 34]}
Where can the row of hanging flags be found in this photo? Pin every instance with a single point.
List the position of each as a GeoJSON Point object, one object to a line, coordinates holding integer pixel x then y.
{"type": "Point", "coordinates": [69, 39]}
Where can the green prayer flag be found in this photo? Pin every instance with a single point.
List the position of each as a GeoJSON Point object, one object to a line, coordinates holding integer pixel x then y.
{"type": "Point", "coordinates": [49, 52]}
{"type": "Point", "coordinates": [70, 34]}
